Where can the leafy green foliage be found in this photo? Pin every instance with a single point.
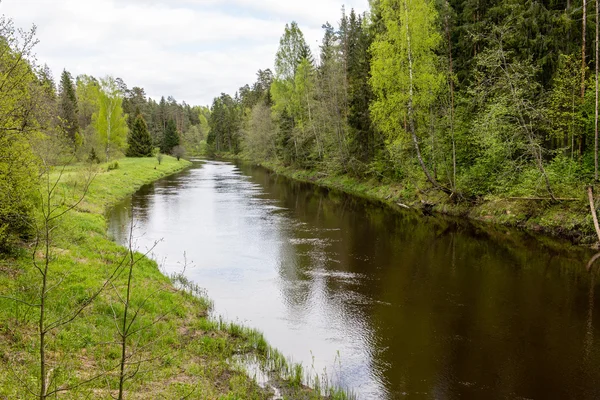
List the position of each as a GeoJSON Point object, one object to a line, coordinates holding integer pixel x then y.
{"type": "Point", "coordinates": [109, 121]}
{"type": "Point", "coordinates": [225, 124]}
{"type": "Point", "coordinates": [473, 98]}
{"type": "Point", "coordinates": [19, 127]}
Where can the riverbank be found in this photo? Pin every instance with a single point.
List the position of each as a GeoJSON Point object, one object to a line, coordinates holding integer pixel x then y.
{"type": "Point", "coordinates": [174, 349]}
{"type": "Point", "coordinates": [569, 220]}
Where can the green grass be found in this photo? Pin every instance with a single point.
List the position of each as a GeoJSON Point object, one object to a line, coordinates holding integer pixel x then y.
{"type": "Point", "coordinates": [180, 351]}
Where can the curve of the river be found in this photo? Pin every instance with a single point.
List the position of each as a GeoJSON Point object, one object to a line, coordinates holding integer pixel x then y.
{"type": "Point", "coordinates": [389, 304]}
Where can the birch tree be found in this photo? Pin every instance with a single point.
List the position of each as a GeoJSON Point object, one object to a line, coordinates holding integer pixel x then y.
{"type": "Point", "coordinates": [109, 120]}
{"type": "Point", "coordinates": [405, 77]}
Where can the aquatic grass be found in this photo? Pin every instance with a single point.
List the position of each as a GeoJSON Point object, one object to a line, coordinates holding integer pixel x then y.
{"type": "Point", "coordinates": [271, 369]}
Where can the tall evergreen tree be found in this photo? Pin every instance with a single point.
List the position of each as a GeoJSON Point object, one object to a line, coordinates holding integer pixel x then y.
{"type": "Point", "coordinates": [360, 94]}
{"type": "Point", "coordinates": [170, 138]}
{"type": "Point", "coordinates": [68, 110]}
{"type": "Point", "coordinates": [139, 142]}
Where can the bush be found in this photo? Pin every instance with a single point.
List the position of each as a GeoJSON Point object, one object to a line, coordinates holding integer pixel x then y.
{"type": "Point", "coordinates": [113, 165]}
{"type": "Point", "coordinates": [93, 157]}
{"type": "Point", "coordinates": [159, 157]}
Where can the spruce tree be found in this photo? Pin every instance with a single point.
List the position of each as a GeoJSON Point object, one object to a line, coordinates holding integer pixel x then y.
{"type": "Point", "coordinates": [140, 144]}
{"type": "Point", "coordinates": [171, 137]}
{"type": "Point", "coordinates": [68, 109]}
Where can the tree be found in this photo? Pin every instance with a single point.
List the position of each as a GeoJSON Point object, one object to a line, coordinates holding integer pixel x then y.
{"type": "Point", "coordinates": [292, 50]}
{"type": "Point", "coordinates": [138, 140]}
{"type": "Point", "coordinates": [68, 110]}
{"type": "Point", "coordinates": [225, 124]}
{"type": "Point", "coordinates": [170, 138]}
{"type": "Point", "coordinates": [596, 92]}
{"type": "Point", "coordinates": [360, 94]}
{"type": "Point", "coordinates": [509, 102]}
{"type": "Point", "coordinates": [405, 77]}
{"type": "Point", "coordinates": [260, 137]}
{"type": "Point", "coordinates": [178, 152]}
{"type": "Point", "coordinates": [110, 122]}
{"type": "Point", "coordinates": [583, 46]}
{"type": "Point", "coordinates": [18, 126]}
{"type": "Point", "coordinates": [331, 95]}
{"type": "Point", "coordinates": [88, 99]}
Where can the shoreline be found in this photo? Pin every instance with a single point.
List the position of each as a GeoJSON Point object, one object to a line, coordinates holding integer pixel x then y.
{"type": "Point", "coordinates": [189, 353]}
{"type": "Point", "coordinates": [569, 220]}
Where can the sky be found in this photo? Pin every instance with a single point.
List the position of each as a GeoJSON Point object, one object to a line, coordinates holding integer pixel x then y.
{"type": "Point", "coordinates": [189, 49]}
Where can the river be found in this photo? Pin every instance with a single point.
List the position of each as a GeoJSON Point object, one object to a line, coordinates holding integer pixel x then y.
{"type": "Point", "coordinates": [389, 303]}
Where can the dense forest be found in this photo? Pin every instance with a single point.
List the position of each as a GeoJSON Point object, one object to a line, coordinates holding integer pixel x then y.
{"type": "Point", "coordinates": [472, 98]}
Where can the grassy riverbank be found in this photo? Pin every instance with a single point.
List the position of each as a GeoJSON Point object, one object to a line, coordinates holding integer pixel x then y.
{"type": "Point", "coordinates": [566, 219]}
{"type": "Point", "coordinates": [174, 349]}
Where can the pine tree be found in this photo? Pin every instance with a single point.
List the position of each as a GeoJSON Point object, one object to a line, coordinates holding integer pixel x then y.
{"type": "Point", "coordinates": [68, 109]}
{"type": "Point", "coordinates": [360, 94]}
{"type": "Point", "coordinates": [171, 137]}
{"type": "Point", "coordinates": [140, 144]}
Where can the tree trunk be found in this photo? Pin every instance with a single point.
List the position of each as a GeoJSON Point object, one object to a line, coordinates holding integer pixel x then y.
{"type": "Point", "coordinates": [109, 112]}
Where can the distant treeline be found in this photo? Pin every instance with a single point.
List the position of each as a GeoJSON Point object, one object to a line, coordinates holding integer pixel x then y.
{"type": "Point", "coordinates": [473, 98]}
{"type": "Point", "coordinates": [44, 123]}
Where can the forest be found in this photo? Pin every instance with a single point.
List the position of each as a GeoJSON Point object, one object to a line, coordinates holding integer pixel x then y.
{"type": "Point", "coordinates": [472, 98]}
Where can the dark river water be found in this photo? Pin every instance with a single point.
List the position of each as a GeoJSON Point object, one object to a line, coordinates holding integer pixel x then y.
{"type": "Point", "coordinates": [391, 304]}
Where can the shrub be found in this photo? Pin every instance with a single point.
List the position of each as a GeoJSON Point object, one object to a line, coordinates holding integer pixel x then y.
{"type": "Point", "coordinates": [113, 165]}
{"type": "Point", "coordinates": [93, 157]}
{"type": "Point", "coordinates": [178, 152]}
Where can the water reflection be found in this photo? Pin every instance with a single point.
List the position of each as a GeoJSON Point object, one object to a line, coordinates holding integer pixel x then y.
{"type": "Point", "coordinates": [391, 304]}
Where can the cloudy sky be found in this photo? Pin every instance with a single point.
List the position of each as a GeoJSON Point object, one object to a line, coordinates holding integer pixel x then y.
{"type": "Point", "coordinates": [190, 49]}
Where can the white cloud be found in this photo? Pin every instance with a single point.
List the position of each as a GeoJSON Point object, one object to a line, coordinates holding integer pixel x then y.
{"type": "Point", "coordinates": [190, 49]}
